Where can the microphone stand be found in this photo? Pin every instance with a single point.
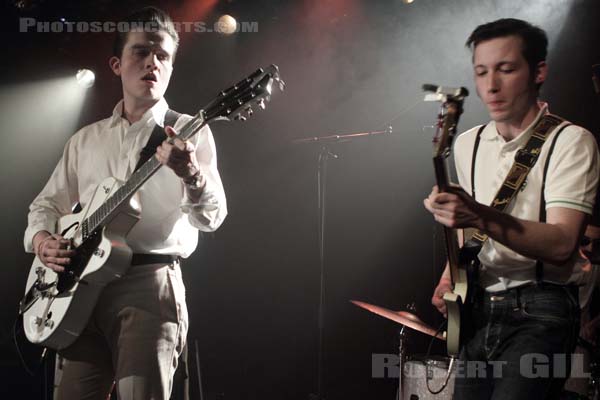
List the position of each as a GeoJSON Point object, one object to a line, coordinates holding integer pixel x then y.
{"type": "Point", "coordinates": [402, 351]}
{"type": "Point", "coordinates": [325, 153]}
{"type": "Point", "coordinates": [402, 336]}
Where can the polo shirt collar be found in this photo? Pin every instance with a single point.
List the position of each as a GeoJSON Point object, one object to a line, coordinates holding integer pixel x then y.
{"type": "Point", "coordinates": [491, 133]}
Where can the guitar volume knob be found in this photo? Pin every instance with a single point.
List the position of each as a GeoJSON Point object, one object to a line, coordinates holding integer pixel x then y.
{"type": "Point", "coordinates": [40, 272]}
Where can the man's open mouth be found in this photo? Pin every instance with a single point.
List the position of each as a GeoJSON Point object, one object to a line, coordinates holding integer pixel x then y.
{"type": "Point", "coordinates": [149, 77]}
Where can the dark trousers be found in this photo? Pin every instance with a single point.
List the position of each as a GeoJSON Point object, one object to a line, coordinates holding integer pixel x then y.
{"type": "Point", "coordinates": [521, 344]}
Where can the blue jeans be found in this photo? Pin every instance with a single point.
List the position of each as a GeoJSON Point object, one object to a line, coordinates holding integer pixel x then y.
{"type": "Point", "coordinates": [521, 344]}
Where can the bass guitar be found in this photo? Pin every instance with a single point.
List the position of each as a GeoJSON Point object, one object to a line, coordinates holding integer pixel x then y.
{"type": "Point", "coordinates": [460, 260]}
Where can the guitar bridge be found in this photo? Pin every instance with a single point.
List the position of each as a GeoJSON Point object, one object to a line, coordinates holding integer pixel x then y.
{"type": "Point", "coordinates": [37, 290]}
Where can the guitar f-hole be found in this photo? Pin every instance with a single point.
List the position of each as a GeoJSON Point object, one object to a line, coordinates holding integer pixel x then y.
{"type": "Point", "coordinates": [74, 225]}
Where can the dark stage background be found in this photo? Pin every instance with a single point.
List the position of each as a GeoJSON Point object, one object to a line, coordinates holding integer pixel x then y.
{"type": "Point", "coordinates": [253, 286]}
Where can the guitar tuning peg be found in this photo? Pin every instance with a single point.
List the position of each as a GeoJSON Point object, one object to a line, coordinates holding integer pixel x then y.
{"type": "Point", "coordinates": [261, 104]}
{"type": "Point", "coordinates": [249, 111]}
{"type": "Point", "coordinates": [281, 84]}
{"type": "Point", "coordinates": [240, 118]}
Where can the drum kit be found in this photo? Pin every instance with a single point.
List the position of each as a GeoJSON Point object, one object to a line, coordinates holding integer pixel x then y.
{"type": "Point", "coordinates": [432, 377]}
{"type": "Point", "coordinates": [584, 387]}
{"type": "Point", "coordinates": [421, 377]}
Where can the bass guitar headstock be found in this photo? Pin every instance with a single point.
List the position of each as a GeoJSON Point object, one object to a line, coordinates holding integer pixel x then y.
{"type": "Point", "coordinates": [451, 100]}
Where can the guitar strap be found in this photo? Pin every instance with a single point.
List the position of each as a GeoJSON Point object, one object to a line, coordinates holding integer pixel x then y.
{"type": "Point", "coordinates": [156, 138]}
{"type": "Point", "coordinates": [525, 160]}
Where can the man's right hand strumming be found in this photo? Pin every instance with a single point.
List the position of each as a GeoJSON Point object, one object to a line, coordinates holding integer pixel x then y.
{"type": "Point", "coordinates": [53, 250]}
{"type": "Point", "coordinates": [444, 285]}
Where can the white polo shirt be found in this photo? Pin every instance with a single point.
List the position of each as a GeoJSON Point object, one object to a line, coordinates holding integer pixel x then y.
{"type": "Point", "coordinates": [571, 182]}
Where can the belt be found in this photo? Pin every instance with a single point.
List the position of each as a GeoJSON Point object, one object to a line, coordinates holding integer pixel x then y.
{"type": "Point", "coordinates": [517, 292]}
{"type": "Point", "coordinates": [140, 259]}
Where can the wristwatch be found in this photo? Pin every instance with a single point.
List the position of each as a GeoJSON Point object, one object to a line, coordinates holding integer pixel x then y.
{"type": "Point", "coordinates": [194, 182]}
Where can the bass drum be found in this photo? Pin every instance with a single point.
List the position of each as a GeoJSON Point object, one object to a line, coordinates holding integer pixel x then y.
{"type": "Point", "coordinates": [584, 382]}
{"type": "Point", "coordinates": [419, 372]}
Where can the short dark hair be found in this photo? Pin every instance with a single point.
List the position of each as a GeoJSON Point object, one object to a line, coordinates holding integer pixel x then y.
{"type": "Point", "coordinates": [535, 41]}
{"type": "Point", "coordinates": [152, 19]}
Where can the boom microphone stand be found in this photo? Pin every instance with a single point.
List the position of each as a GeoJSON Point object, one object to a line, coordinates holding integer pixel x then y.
{"type": "Point", "coordinates": [325, 153]}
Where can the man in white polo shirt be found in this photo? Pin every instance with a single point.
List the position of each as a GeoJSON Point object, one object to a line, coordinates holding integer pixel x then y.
{"type": "Point", "coordinates": [525, 309]}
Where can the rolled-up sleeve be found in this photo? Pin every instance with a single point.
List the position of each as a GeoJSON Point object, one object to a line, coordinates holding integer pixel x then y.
{"type": "Point", "coordinates": [209, 212]}
{"type": "Point", "coordinates": [56, 199]}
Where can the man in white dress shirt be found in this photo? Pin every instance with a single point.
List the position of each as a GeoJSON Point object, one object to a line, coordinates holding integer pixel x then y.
{"type": "Point", "coordinates": [139, 325]}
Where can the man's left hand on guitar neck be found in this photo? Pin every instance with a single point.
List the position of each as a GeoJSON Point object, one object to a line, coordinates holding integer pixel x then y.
{"type": "Point", "coordinates": [454, 208]}
{"type": "Point", "coordinates": [180, 156]}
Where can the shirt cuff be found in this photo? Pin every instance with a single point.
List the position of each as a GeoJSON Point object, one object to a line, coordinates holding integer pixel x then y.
{"type": "Point", "coordinates": [207, 202]}
{"type": "Point", "coordinates": [33, 229]}
{"type": "Point", "coordinates": [204, 213]}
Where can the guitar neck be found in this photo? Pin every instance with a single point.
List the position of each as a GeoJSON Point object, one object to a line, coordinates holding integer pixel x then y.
{"type": "Point", "coordinates": [441, 173]}
{"type": "Point", "coordinates": [450, 235]}
{"type": "Point", "coordinates": [234, 103]}
{"type": "Point", "coordinates": [106, 211]}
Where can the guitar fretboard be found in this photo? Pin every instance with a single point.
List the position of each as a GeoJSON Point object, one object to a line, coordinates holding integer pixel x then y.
{"type": "Point", "coordinates": [104, 213]}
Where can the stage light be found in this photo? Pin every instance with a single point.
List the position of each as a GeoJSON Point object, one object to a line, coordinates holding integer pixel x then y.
{"type": "Point", "coordinates": [407, 1]}
{"type": "Point", "coordinates": [25, 5]}
{"type": "Point", "coordinates": [57, 105]}
{"type": "Point", "coordinates": [226, 24]}
{"type": "Point", "coordinates": [85, 78]}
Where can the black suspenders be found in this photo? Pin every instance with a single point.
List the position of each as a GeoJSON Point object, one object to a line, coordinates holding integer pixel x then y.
{"type": "Point", "coordinates": [474, 158]}
{"type": "Point", "coordinates": [539, 266]}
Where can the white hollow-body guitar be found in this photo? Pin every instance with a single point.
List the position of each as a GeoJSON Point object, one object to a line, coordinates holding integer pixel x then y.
{"type": "Point", "coordinates": [57, 307]}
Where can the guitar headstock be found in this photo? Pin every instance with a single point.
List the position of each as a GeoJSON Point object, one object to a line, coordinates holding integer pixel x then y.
{"type": "Point", "coordinates": [451, 100]}
{"type": "Point", "coordinates": [238, 102]}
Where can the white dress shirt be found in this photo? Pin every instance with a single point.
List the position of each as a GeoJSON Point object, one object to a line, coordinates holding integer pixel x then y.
{"type": "Point", "coordinates": [111, 148]}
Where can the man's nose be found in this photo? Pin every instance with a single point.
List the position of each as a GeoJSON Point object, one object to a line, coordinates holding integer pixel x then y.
{"type": "Point", "coordinates": [492, 82]}
{"type": "Point", "coordinates": [151, 61]}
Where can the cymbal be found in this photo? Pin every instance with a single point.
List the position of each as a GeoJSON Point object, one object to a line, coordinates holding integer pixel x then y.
{"type": "Point", "coordinates": [401, 317]}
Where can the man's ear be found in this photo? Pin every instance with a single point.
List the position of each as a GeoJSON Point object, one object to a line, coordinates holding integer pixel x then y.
{"type": "Point", "coordinates": [541, 72]}
{"type": "Point", "coordinates": [115, 65]}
